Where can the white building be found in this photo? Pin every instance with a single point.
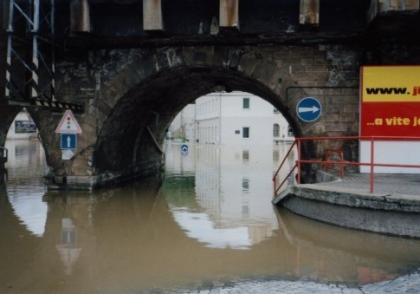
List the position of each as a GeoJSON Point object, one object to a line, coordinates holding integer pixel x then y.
{"type": "Point", "coordinates": [231, 118]}
{"type": "Point", "coordinates": [233, 167]}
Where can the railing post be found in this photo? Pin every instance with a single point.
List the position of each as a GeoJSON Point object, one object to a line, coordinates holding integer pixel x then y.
{"type": "Point", "coordinates": [276, 173]}
{"type": "Point", "coordinates": [299, 143]}
{"type": "Point", "coordinates": [372, 162]}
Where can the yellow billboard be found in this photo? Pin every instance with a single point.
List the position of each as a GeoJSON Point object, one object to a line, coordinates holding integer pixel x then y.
{"type": "Point", "coordinates": [390, 83]}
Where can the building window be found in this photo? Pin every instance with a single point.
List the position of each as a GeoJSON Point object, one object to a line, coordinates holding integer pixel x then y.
{"type": "Point", "coordinates": [290, 132]}
{"type": "Point", "coordinates": [245, 185]}
{"type": "Point", "coordinates": [245, 132]}
{"type": "Point", "coordinates": [245, 103]}
{"type": "Point", "coordinates": [245, 155]}
{"type": "Point", "coordinates": [237, 132]}
{"type": "Point", "coordinates": [276, 130]}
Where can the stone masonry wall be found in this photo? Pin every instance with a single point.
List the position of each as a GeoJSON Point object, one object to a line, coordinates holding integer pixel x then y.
{"type": "Point", "coordinates": [126, 90]}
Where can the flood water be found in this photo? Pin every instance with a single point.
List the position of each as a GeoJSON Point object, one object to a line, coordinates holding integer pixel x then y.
{"type": "Point", "coordinates": [211, 222]}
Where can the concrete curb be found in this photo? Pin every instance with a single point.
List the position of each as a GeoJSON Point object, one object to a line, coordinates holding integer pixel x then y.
{"type": "Point", "coordinates": [381, 213]}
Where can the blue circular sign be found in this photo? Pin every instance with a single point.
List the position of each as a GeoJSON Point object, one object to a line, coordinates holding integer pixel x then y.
{"type": "Point", "coordinates": [308, 109]}
{"type": "Point", "coordinates": [184, 149]}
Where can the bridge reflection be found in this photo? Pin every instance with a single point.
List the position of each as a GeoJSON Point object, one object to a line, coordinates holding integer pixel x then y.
{"type": "Point", "coordinates": [25, 189]}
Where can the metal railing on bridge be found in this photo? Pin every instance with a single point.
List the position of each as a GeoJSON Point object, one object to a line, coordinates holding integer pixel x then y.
{"type": "Point", "coordinates": [30, 55]}
{"type": "Point", "coordinates": [334, 158]}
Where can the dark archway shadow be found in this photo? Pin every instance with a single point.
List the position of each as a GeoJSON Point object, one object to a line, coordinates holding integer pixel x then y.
{"type": "Point", "coordinates": [135, 128]}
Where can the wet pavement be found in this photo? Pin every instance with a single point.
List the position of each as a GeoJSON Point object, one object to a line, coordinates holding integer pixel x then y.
{"type": "Point", "coordinates": [409, 284]}
{"type": "Point", "coordinates": [385, 184]}
{"type": "Point", "coordinates": [209, 227]}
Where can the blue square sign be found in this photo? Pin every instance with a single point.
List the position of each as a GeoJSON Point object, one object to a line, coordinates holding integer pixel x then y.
{"type": "Point", "coordinates": [68, 141]}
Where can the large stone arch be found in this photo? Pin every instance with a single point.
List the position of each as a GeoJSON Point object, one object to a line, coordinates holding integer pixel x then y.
{"type": "Point", "coordinates": [122, 87]}
{"type": "Point", "coordinates": [125, 140]}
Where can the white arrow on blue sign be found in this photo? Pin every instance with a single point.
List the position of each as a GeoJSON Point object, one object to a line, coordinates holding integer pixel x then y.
{"type": "Point", "coordinates": [309, 109]}
{"type": "Point", "coordinates": [68, 141]}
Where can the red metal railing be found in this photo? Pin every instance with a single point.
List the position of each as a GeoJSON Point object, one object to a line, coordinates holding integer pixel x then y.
{"type": "Point", "coordinates": [341, 162]}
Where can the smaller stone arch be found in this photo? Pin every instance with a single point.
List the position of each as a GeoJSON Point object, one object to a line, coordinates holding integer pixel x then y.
{"type": "Point", "coordinates": [45, 122]}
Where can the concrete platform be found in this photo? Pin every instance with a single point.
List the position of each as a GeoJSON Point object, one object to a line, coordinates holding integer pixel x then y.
{"type": "Point", "coordinates": [393, 209]}
{"type": "Point", "coordinates": [386, 184]}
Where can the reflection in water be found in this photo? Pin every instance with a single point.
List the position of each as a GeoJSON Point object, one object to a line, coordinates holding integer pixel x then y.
{"type": "Point", "coordinates": [199, 226]}
{"type": "Point", "coordinates": [67, 249]}
{"type": "Point", "coordinates": [25, 188]}
{"type": "Point", "coordinates": [234, 195]}
{"type": "Point", "coordinates": [211, 221]}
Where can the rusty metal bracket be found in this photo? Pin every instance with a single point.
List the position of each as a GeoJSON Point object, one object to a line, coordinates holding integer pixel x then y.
{"type": "Point", "coordinates": [156, 143]}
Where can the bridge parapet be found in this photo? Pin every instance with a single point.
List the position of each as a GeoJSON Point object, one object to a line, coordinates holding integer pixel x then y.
{"type": "Point", "coordinates": [146, 22]}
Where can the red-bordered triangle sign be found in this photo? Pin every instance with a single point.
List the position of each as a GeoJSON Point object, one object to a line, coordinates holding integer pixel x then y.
{"type": "Point", "coordinates": [68, 124]}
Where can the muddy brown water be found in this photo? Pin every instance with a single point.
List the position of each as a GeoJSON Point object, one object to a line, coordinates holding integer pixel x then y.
{"type": "Point", "coordinates": [209, 223]}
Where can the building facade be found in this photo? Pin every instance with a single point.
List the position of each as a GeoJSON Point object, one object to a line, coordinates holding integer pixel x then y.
{"type": "Point", "coordinates": [236, 118]}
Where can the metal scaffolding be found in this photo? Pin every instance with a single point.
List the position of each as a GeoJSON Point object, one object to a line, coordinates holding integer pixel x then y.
{"type": "Point", "coordinates": [30, 65]}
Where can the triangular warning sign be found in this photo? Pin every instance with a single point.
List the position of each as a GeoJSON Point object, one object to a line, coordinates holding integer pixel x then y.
{"type": "Point", "coordinates": [68, 124]}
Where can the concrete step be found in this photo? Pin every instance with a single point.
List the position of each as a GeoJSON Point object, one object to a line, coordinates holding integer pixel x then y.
{"type": "Point", "coordinates": [284, 194]}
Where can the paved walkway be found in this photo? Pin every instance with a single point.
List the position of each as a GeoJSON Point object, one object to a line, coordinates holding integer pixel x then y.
{"type": "Point", "coordinates": [390, 184]}
{"type": "Point", "coordinates": [409, 284]}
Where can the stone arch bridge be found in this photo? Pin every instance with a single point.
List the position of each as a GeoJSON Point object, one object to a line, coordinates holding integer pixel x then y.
{"type": "Point", "coordinates": [132, 79]}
